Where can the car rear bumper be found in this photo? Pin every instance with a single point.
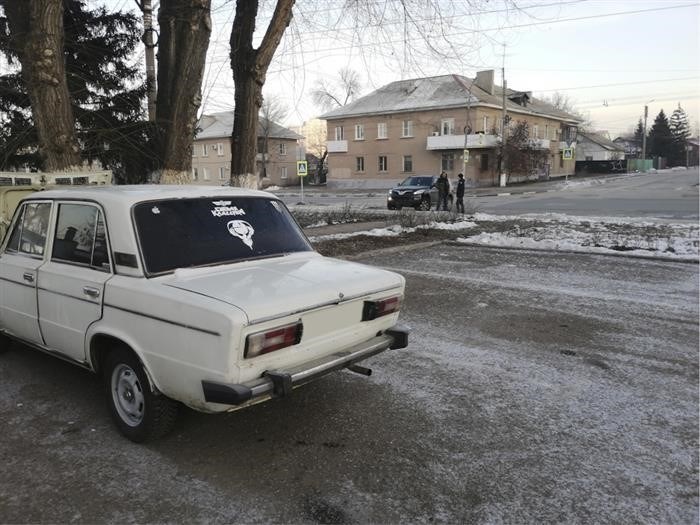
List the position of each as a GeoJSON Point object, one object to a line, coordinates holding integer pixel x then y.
{"type": "Point", "coordinates": [279, 383]}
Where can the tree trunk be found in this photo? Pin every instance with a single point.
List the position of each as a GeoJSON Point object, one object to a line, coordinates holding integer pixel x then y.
{"type": "Point", "coordinates": [185, 27]}
{"type": "Point", "coordinates": [36, 28]}
{"type": "Point", "coordinates": [249, 67]}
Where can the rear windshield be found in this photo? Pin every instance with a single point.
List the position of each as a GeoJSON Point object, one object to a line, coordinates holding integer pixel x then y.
{"type": "Point", "coordinates": [186, 233]}
{"type": "Point", "coordinates": [417, 181]}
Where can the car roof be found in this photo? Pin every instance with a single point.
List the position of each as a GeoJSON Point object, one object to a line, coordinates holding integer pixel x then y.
{"type": "Point", "coordinates": [132, 194]}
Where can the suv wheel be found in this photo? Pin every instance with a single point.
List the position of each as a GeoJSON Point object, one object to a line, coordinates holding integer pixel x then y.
{"type": "Point", "coordinates": [424, 204]}
{"type": "Point", "coordinates": [139, 413]}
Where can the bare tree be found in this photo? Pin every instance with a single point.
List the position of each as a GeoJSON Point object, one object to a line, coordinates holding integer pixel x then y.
{"type": "Point", "coordinates": [249, 67]}
{"type": "Point", "coordinates": [185, 27]}
{"type": "Point", "coordinates": [337, 93]}
{"type": "Point", "coordinates": [36, 34]}
{"type": "Point", "coordinates": [272, 112]}
{"type": "Point", "coordinates": [521, 157]}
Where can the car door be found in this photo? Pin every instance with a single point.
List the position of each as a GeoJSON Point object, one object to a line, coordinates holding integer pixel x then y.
{"type": "Point", "coordinates": [22, 255]}
{"type": "Point", "coordinates": [71, 283]}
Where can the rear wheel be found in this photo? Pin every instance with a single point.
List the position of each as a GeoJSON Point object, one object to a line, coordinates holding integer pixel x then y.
{"type": "Point", "coordinates": [424, 204]}
{"type": "Point", "coordinates": [139, 413]}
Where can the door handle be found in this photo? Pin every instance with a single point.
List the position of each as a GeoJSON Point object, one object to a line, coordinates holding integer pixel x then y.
{"type": "Point", "coordinates": [29, 277]}
{"type": "Point", "coordinates": [91, 292]}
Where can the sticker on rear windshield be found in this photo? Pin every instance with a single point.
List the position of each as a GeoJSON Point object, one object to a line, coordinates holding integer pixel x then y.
{"type": "Point", "coordinates": [243, 230]}
{"type": "Point", "coordinates": [224, 209]}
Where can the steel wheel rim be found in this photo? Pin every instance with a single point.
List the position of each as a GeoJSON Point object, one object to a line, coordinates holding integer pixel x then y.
{"type": "Point", "coordinates": [127, 395]}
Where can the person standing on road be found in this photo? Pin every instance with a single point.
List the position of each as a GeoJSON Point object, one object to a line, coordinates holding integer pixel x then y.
{"type": "Point", "coordinates": [443, 187]}
{"type": "Point", "coordinates": [460, 194]}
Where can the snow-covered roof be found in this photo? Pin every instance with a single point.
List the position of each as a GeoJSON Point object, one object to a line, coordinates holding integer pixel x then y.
{"type": "Point", "coordinates": [220, 125]}
{"type": "Point", "coordinates": [602, 141]}
{"type": "Point", "coordinates": [441, 92]}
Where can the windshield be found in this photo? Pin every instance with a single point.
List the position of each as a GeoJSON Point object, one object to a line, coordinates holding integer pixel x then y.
{"type": "Point", "coordinates": [186, 233]}
{"type": "Point", "coordinates": [417, 181]}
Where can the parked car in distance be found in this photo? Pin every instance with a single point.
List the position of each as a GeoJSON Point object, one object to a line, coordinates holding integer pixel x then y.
{"type": "Point", "coordinates": [211, 297]}
{"type": "Point", "coordinates": [417, 191]}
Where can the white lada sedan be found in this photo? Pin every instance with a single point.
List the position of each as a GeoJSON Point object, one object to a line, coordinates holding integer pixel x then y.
{"type": "Point", "coordinates": [209, 297]}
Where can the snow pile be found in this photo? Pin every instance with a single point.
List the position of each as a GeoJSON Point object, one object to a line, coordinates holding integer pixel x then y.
{"type": "Point", "coordinates": [639, 238]}
{"type": "Point", "coordinates": [395, 230]}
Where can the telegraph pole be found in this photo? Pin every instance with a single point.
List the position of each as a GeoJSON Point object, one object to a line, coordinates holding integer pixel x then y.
{"type": "Point", "coordinates": [147, 39]}
{"type": "Point", "coordinates": [504, 133]}
{"type": "Point", "coordinates": [644, 135]}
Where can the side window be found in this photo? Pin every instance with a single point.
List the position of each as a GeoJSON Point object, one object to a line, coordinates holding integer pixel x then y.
{"type": "Point", "coordinates": [80, 236]}
{"type": "Point", "coordinates": [29, 234]}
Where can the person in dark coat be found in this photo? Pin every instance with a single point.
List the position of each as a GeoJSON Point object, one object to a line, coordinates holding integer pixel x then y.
{"type": "Point", "coordinates": [460, 194]}
{"type": "Point", "coordinates": [443, 187]}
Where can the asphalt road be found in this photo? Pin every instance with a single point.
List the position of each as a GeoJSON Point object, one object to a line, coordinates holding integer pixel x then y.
{"type": "Point", "coordinates": [536, 388]}
{"type": "Point", "coordinates": [665, 195]}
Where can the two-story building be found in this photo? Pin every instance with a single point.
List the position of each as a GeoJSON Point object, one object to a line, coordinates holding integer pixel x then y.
{"type": "Point", "coordinates": [447, 123]}
{"type": "Point", "coordinates": [211, 153]}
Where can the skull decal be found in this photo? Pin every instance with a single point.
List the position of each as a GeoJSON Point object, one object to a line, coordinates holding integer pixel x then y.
{"type": "Point", "coordinates": [243, 230]}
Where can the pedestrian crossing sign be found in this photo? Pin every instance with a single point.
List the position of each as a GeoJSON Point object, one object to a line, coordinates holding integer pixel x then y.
{"type": "Point", "coordinates": [301, 168]}
{"type": "Point", "coordinates": [568, 153]}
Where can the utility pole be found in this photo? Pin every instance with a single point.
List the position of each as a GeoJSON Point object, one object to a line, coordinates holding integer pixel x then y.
{"type": "Point", "coordinates": [644, 135]}
{"type": "Point", "coordinates": [504, 134]}
{"type": "Point", "coordinates": [147, 39]}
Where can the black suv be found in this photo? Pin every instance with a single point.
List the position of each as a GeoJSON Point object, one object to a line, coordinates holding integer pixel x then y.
{"type": "Point", "coordinates": [419, 192]}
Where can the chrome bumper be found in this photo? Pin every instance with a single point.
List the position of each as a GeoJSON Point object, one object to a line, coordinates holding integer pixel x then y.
{"type": "Point", "coordinates": [279, 383]}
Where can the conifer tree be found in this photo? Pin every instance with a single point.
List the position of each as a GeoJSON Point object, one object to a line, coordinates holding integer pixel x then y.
{"type": "Point", "coordinates": [661, 141]}
{"type": "Point", "coordinates": [680, 129]}
{"type": "Point", "coordinates": [106, 93]}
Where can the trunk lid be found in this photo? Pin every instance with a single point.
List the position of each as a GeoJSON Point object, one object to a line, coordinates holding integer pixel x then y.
{"type": "Point", "coordinates": [279, 287]}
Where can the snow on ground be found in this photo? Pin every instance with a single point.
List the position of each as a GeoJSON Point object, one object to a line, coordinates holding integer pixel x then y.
{"type": "Point", "coordinates": [558, 232]}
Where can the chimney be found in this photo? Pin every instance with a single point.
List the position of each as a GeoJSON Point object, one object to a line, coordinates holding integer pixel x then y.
{"type": "Point", "coordinates": [484, 80]}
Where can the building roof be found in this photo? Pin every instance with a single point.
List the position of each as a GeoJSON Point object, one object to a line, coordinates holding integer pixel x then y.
{"type": "Point", "coordinates": [442, 92]}
{"type": "Point", "coordinates": [220, 125]}
{"type": "Point", "coordinates": [602, 141]}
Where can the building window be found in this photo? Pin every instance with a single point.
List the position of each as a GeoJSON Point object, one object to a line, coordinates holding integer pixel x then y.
{"type": "Point", "coordinates": [447, 126]}
{"type": "Point", "coordinates": [407, 128]}
{"type": "Point", "coordinates": [222, 173]}
{"type": "Point", "coordinates": [407, 163]}
{"type": "Point", "coordinates": [262, 145]}
{"type": "Point", "coordinates": [283, 172]}
{"type": "Point", "coordinates": [589, 158]}
{"type": "Point", "coordinates": [339, 133]}
{"type": "Point", "coordinates": [283, 148]}
{"type": "Point", "coordinates": [220, 149]}
{"type": "Point", "coordinates": [359, 163]}
{"type": "Point", "coordinates": [205, 173]}
{"type": "Point", "coordinates": [194, 151]}
{"type": "Point", "coordinates": [195, 176]}
{"type": "Point", "coordinates": [448, 161]}
{"type": "Point", "coordinates": [359, 132]}
{"type": "Point", "coordinates": [546, 132]}
{"type": "Point", "coordinates": [535, 131]}
{"type": "Point", "coordinates": [381, 130]}
{"type": "Point", "coordinates": [205, 150]}
{"type": "Point", "coordinates": [485, 125]}
{"type": "Point", "coordinates": [382, 163]}
{"type": "Point", "coordinates": [484, 162]}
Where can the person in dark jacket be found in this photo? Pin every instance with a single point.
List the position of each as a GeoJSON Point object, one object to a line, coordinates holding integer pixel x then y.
{"type": "Point", "coordinates": [443, 187]}
{"type": "Point", "coordinates": [460, 194]}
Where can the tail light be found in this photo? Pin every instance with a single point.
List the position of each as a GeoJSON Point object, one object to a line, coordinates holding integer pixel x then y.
{"type": "Point", "coordinates": [274, 339]}
{"type": "Point", "coordinates": [374, 309]}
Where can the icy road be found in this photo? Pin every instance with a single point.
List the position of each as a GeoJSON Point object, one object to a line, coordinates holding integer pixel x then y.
{"type": "Point", "coordinates": [537, 387]}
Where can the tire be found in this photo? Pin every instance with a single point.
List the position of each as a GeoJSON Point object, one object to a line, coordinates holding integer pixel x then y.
{"type": "Point", "coordinates": [139, 413]}
{"type": "Point", "coordinates": [424, 204]}
{"type": "Point", "coordinates": [390, 207]}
